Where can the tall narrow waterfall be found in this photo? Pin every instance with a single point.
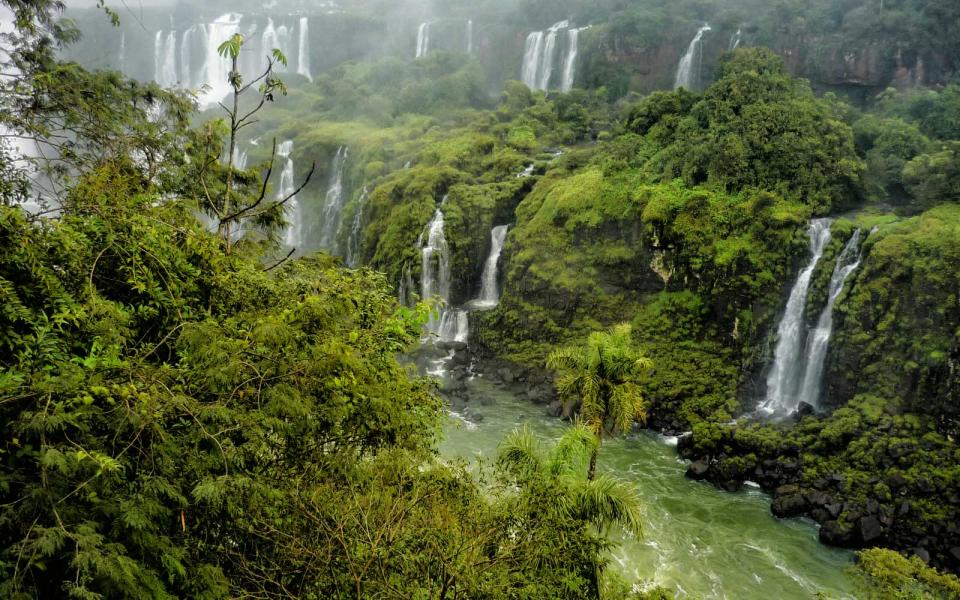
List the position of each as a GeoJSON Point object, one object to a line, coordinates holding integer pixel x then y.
{"type": "Point", "coordinates": [294, 234]}
{"type": "Point", "coordinates": [818, 342]}
{"type": "Point", "coordinates": [356, 231]}
{"type": "Point", "coordinates": [783, 380]}
{"type": "Point", "coordinates": [735, 40]}
{"type": "Point", "coordinates": [423, 39]}
{"type": "Point", "coordinates": [489, 290]}
{"type": "Point", "coordinates": [216, 70]}
{"type": "Point", "coordinates": [123, 53]}
{"type": "Point", "coordinates": [470, 36]}
{"type": "Point", "coordinates": [333, 203]}
{"type": "Point", "coordinates": [303, 49]}
{"type": "Point", "coordinates": [435, 269]}
{"type": "Point", "coordinates": [688, 71]}
{"type": "Point", "coordinates": [165, 59]}
{"type": "Point", "coordinates": [539, 56]}
{"type": "Point", "coordinates": [570, 62]}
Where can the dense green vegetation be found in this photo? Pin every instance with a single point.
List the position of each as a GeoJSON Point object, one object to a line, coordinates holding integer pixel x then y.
{"type": "Point", "coordinates": [188, 417]}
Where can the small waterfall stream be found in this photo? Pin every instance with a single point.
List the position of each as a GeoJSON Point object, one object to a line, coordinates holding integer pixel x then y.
{"type": "Point", "coordinates": [818, 341]}
{"type": "Point", "coordinates": [356, 231]}
{"type": "Point", "coordinates": [735, 40]}
{"type": "Point", "coordinates": [331, 218]}
{"type": "Point", "coordinates": [688, 71]}
{"type": "Point", "coordinates": [784, 377]}
{"type": "Point", "coordinates": [570, 62]}
{"type": "Point", "coordinates": [435, 270]}
{"type": "Point", "coordinates": [294, 233]}
{"type": "Point", "coordinates": [423, 39]}
{"type": "Point", "coordinates": [470, 36]}
{"type": "Point", "coordinates": [303, 49]}
{"type": "Point", "coordinates": [489, 288]}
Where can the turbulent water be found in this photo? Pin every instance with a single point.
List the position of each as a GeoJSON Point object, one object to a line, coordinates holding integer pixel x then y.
{"type": "Point", "coordinates": [698, 541]}
{"type": "Point", "coordinates": [784, 377]}
{"type": "Point", "coordinates": [688, 71]}
{"type": "Point", "coordinates": [818, 341]}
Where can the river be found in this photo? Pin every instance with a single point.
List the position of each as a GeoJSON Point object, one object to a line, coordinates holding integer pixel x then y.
{"type": "Point", "coordinates": [699, 541]}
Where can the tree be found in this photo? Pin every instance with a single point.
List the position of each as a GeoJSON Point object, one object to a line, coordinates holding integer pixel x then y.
{"type": "Point", "coordinates": [603, 375]}
{"type": "Point", "coordinates": [603, 501]}
{"type": "Point", "coordinates": [231, 207]}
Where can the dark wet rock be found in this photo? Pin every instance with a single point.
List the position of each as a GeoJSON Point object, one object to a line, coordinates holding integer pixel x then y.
{"type": "Point", "coordinates": [506, 375]}
{"type": "Point", "coordinates": [697, 470]}
{"type": "Point", "coordinates": [897, 481]}
{"type": "Point", "coordinates": [922, 553]}
{"type": "Point", "coordinates": [731, 485]}
{"type": "Point", "coordinates": [834, 509]}
{"type": "Point", "coordinates": [835, 534]}
{"type": "Point", "coordinates": [791, 505]}
{"type": "Point", "coordinates": [820, 515]}
{"type": "Point", "coordinates": [904, 508]}
{"type": "Point", "coordinates": [787, 490]}
{"type": "Point", "coordinates": [818, 499]}
{"type": "Point", "coordinates": [554, 409]}
{"type": "Point", "coordinates": [805, 409]}
{"type": "Point", "coordinates": [870, 529]}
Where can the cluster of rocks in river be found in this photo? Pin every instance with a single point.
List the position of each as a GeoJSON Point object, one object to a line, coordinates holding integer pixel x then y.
{"type": "Point", "coordinates": [847, 519]}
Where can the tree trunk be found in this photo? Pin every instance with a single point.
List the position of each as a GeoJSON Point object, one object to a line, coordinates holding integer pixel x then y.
{"type": "Point", "coordinates": [592, 471]}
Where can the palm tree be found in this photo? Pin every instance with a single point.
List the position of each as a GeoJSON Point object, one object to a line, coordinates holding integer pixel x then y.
{"type": "Point", "coordinates": [603, 501]}
{"type": "Point", "coordinates": [602, 374]}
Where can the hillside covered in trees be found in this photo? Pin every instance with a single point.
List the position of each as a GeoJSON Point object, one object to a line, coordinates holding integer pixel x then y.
{"type": "Point", "coordinates": [413, 300]}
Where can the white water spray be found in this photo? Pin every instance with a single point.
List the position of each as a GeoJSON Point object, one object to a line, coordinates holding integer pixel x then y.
{"type": "Point", "coordinates": [331, 218]}
{"type": "Point", "coordinates": [688, 73]}
{"type": "Point", "coordinates": [784, 377]}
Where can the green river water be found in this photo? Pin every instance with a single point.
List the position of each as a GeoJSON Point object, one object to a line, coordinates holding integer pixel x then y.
{"type": "Point", "coordinates": [699, 542]}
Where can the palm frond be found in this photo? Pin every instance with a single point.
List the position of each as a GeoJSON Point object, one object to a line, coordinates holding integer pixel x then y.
{"type": "Point", "coordinates": [606, 501]}
{"type": "Point", "coordinates": [520, 452]}
{"type": "Point", "coordinates": [573, 449]}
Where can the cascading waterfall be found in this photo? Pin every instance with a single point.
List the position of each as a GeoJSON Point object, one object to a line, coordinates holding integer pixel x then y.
{"type": "Point", "coordinates": [489, 290]}
{"type": "Point", "coordinates": [165, 59]}
{"type": "Point", "coordinates": [539, 56]}
{"type": "Point", "coordinates": [818, 342]}
{"type": "Point", "coordinates": [784, 378]}
{"type": "Point", "coordinates": [570, 62]}
{"type": "Point", "coordinates": [470, 36]}
{"type": "Point", "coordinates": [423, 39]}
{"type": "Point", "coordinates": [294, 235]}
{"type": "Point", "coordinates": [123, 53]}
{"type": "Point", "coordinates": [275, 37]}
{"type": "Point", "coordinates": [303, 49]}
{"type": "Point", "coordinates": [356, 231]}
{"type": "Point", "coordinates": [216, 70]}
{"type": "Point", "coordinates": [735, 40]}
{"type": "Point", "coordinates": [454, 326]}
{"type": "Point", "coordinates": [333, 203]}
{"type": "Point", "coordinates": [688, 73]}
{"type": "Point", "coordinates": [435, 269]}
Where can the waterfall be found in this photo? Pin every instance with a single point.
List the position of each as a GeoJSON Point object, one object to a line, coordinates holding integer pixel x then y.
{"type": "Point", "coordinates": [818, 342]}
{"type": "Point", "coordinates": [123, 53]}
{"type": "Point", "coordinates": [539, 56]}
{"type": "Point", "coordinates": [531, 59]}
{"type": "Point", "coordinates": [470, 36]}
{"type": "Point", "coordinates": [423, 39]}
{"type": "Point", "coordinates": [454, 327]}
{"type": "Point", "coordinates": [333, 204]}
{"type": "Point", "coordinates": [303, 49]}
{"type": "Point", "coordinates": [570, 63]}
{"type": "Point", "coordinates": [435, 269]}
{"type": "Point", "coordinates": [688, 76]}
{"type": "Point", "coordinates": [356, 231]}
{"type": "Point", "coordinates": [216, 69]}
{"type": "Point", "coordinates": [546, 66]}
{"type": "Point", "coordinates": [783, 379]}
{"type": "Point", "coordinates": [165, 59]}
{"type": "Point", "coordinates": [735, 40]}
{"type": "Point", "coordinates": [274, 37]}
{"type": "Point", "coordinates": [489, 291]}
{"type": "Point", "coordinates": [293, 237]}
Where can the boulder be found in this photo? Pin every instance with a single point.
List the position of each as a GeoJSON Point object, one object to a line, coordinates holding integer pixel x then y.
{"type": "Point", "coordinates": [554, 409]}
{"type": "Point", "coordinates": [835, 534]}
{"type": "Point", "coordinates": [870, 528]}
{"type": "Point", "coordinates": [697, 470]}
{"type": "Point", "coordinates": [805, 409]}
{"type": "Point", "coordinates": [791, 505]}
{"type": "Point", "coordinates": [922, 554]}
